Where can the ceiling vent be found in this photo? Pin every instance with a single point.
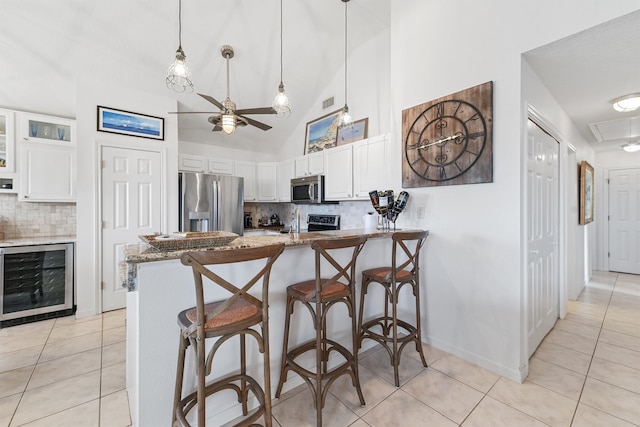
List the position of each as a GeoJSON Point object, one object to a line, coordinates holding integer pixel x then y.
{"type": "Point", "coordinates": [327, 103]}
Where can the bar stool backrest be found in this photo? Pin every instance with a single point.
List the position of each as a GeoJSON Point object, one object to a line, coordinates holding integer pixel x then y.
{"type": "Point", "coordinates": [343, 274]}
{"type": "Point", "coordinates": [403, 240]}
{"type": "Point", "coordinates": [199, 260]}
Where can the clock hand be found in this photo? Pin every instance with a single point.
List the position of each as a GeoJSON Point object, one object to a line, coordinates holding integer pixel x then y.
{"type": "Point", "coordinates": [440, 141]}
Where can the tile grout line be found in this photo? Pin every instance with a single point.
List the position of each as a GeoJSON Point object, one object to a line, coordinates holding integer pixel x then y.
{"type": "Point", "coordinates": [586, 376]}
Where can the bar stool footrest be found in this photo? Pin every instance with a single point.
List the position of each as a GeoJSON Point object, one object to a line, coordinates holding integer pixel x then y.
{"type": "Point", "coordinates": [227, 383]}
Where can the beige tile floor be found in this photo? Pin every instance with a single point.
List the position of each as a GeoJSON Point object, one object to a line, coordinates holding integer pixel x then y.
{"type": "Point", "coordinates": [68, 372]}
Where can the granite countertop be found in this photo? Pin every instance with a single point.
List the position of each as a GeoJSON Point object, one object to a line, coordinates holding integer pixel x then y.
{"type": "Point", "coordinates": [141, 252]}
{"type": "Point", "coordinates": [33, 241]}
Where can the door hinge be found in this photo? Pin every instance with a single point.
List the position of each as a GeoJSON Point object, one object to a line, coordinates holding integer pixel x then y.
{"type": "Point", "coordinates": [607, 180]}
{"type": "Point", "coordinates": [102, 286]}
{"type": "Point", "coordinates": [103, 224]}
{"type": "Point", "coordinates": [608, 254]}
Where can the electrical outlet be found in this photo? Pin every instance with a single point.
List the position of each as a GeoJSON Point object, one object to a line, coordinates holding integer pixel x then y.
{"type": "Point", "coordinates": [420, 212]}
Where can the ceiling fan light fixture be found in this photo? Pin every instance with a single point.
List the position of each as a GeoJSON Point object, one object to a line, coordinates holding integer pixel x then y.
{"type": "Point", "coordinates": [627, 103]}
{"type": "Point", "coordinates": [228, 123]}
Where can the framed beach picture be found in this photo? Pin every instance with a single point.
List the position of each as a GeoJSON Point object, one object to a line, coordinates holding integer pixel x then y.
{"type": "Point", "coordinates": [586, 193]}
{"type": "Point", "coordinates": [127, 123]}
{"type": "Point", "coordinates": [322, 132]}
{"type": "Point", "coordinates": [357, 131]}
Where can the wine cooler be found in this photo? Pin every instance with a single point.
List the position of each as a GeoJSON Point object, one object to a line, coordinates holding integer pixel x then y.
{"type": "Point", "coordinates": [36, 282]}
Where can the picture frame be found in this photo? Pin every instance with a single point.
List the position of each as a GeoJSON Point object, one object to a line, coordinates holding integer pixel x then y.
{"type": "Point", "coordinates": [586, 195]}
{"type": "Point", "coordinates": [122, 122]}
{"type": "Point", "coordinates": [322, 132]}
{"type": "Point", "coordinates": [356, 132]}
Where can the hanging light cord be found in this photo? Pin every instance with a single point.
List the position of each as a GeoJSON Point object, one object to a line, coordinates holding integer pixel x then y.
{"type": "Point", "coordinates": [345, 51]}
{"type": "Point", "coordinates": [280, 42]}
{"type": "Point", "coordinates": [180, 25]}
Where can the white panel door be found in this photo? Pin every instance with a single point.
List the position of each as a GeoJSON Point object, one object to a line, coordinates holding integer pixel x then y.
{"type": "Point", "coordinates": [131, 206]}
{"type": "Point", "coordinates": [624, 221]}
{"type": "Point", "coordinates": [542, 234]}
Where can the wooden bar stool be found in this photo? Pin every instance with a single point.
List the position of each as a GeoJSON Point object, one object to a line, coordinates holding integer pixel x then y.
{"type": "Point", "coordinates": [225, 319]}
{"type": "Point", "coordinates": [384, 329]}
{"type": "Point", "coordinates": [318, 296]}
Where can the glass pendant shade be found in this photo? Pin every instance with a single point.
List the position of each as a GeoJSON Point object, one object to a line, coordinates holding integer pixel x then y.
{"type": "Point", "coordinates": [179, 75]}
{"type": "Point", "coordinates": [627, 103]}
{"type": "Point", "coordinates": [228, 123]}
{"type": "Point", "coordinates": [281, 103]}
{"type": "Point", "coordinates": [345, 118]}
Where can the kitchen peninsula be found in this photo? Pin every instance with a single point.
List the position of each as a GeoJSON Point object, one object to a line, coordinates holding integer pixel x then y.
{"type": "Point", "coordinates": [160, 286]}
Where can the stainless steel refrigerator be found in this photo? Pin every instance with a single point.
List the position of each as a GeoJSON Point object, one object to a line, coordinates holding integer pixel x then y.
{"type": "Point", "coordinates": [211, 202]}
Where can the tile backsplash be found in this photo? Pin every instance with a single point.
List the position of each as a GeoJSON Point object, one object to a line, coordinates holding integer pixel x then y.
{"type": "Point", "coordinates": [25, 220]}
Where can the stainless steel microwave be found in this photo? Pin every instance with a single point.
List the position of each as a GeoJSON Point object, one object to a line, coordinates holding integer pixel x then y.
{"type": "Point", "coordinates": [308, 189]}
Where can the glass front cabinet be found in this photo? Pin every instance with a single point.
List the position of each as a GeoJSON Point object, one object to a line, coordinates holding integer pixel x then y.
{"type": "Point", "coordinates": [47, 129]}
{"type": "Point", "coordinates": [7, 151]}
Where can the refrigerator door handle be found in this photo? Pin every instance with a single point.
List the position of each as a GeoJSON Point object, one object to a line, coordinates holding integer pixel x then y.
{"type": "Point", "coordinates": [215, 212]}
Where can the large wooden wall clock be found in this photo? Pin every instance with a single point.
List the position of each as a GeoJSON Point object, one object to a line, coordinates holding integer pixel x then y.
{"type": "Point", "coordinates": [449, 140]}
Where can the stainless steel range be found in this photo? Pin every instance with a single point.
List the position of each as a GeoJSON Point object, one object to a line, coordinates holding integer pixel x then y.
{"type": "Point", "coordinates": [323, 222]}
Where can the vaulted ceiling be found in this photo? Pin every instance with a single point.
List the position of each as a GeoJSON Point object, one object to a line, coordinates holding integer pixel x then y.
{"type": "Point", "coordinates": [48, 45]}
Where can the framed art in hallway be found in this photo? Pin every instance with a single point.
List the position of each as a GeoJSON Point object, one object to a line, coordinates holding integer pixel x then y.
{"type": "Point", "coordinates": [127, 123]}
{"type": "Point", "coordinates": [586, 193]}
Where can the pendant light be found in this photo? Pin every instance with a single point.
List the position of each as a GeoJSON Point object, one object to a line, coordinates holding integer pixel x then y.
{"type": "Point", "coordinates": [345, 119]}
{"type": "Point", "coordinates": [281, 103]}
{"type": "Point", "coordinates": [178, 74]}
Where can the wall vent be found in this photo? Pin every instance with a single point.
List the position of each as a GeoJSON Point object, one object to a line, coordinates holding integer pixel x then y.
{"type": "Point", "coordinates": [327, 103]}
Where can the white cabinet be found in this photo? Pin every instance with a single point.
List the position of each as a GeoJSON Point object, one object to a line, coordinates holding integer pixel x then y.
{"type": "Point", "coordinates": [338, 167]}
{"type": "Point", "coordinates": [191, 163]}
{"type": "Point", "coordinates": [267, 181]}
{"type": "Point", "coordinates": [311, 164]}
{"type": "Point", "coordinates": [8, 176]}
{"type": "Point", "coordinates": [220, 166]}
{"type": "Point", "coordinates": [286, 171]}
{"type": "Point", "coordinates": [46, 129]}
{"type": "Point", "coordinates": [369, 166]}
{"type": "Point", "coordinates": [47, 173]}
{"type": "Point", "coordinates": [247, 170]}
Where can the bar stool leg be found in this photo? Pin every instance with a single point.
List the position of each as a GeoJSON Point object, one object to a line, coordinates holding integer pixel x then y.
{"type": "Point", "coordinates": [267, 374]}
{"type": "Point", "coordinates": [182, 348]}
{"type": "Point", "coordinates": [285, 346]}
{"type": "Point", "coordinates": [416, 293]}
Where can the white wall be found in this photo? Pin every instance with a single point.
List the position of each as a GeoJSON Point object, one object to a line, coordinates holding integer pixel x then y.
{"type": "Point", "coordinates": [474, 273]}
{"type": "Point", "coordinates": [605, 162]}
{"type": "Point", "coordinates": [91, 94]}
{"type": "Point", "coordinates": [368, 93]}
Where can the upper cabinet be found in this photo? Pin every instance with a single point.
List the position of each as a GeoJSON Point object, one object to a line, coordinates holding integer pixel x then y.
{"type": "Point", "coordinates": [47, 173]}
{"type": "Point", "coordinates": [369, 166]}
{"type": "Point", "coordinates": [311, 164]}
{"type": "Point", "coordinates": [189, 163]}
{"type": "Point", "coordinates": [46, 129]}
{"type": "Point", "coordinates": [267, 181]}
{"type": "Point", "coordinates": [7, 142]}
{"type": "Point", "coordinates": [338, 176]}
{"type": "Point", "coordinates": [286, 171]}
{"type": "Point", "coordinates": [221, 166]}
{"type": "Point", "coordinates": [247, 170]}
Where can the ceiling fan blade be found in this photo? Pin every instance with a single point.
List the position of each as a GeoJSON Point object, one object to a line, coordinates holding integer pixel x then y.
{"type": "Point", "coordinates": [257, 123]}
{"type": "Point", "coordinates": [263, 110]}
{"type": "Point", "coordinates": [193, 112]}
{"type": "Point", "coordinates": [212, 100]}
{"type": "Point", "coordinates": [216, 128]}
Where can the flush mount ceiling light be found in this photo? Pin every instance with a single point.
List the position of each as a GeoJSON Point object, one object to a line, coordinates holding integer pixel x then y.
{"type": "Point", "coordinates": [178, 74]}
{"type": "Point", "coordinates": [281, 103]}
{"type": "Point", "coordinates": [632, 148]}
{"type": "Point", "coordinates": [627, 103]}
{"type": "Point", "coordinates": [345, 119]}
